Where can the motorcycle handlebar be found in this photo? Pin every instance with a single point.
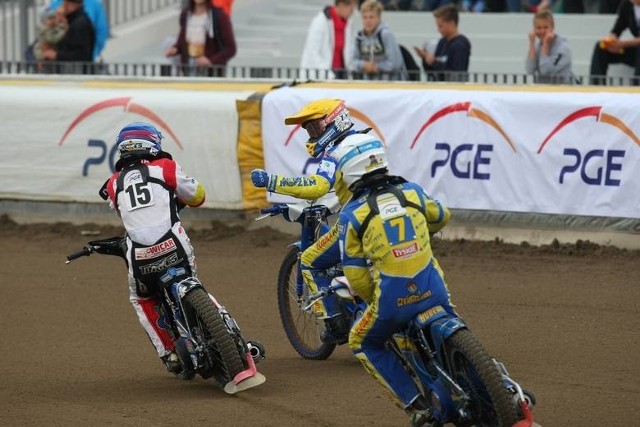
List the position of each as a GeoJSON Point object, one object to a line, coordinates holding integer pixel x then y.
{"type": "Point", "coordinates": [274, 210]}
{"type": "Point", "coordinates": [86, 251]}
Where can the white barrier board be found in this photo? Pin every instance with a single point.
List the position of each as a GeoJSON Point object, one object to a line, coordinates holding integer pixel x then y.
{"type": "Point", "coordinates": [58, 140]}
{"type": "Point", "coordinates": [545, 152]}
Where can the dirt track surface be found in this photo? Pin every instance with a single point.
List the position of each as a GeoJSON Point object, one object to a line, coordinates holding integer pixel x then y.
{"type": "Point", "coordinates": [564, 319]}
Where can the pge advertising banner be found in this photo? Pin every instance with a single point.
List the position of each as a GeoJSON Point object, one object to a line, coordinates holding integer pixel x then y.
{"type": "Point", "coordinates": [542, 152]}
{"type": "Point", "coordinates": [58, 141]}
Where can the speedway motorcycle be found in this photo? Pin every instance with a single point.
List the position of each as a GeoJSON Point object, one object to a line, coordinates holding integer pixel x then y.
{"type": "Point", "coordinates": [463, 383]}
{"type": "Point", "coordinates": [207, 339]}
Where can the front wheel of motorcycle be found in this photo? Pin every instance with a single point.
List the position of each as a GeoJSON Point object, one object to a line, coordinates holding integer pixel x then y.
{"type": "Point", "coordinates": [222, 359]}
{"type": "Point", "coordinates": [474, 370]}
{"type": "Point", "coordinates": [302, 327]}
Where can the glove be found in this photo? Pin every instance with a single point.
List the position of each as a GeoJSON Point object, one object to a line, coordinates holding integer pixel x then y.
{"type": "Point", "coordinates": [260, 178]}
{"type": "Point", "coordinates": [275, 209]}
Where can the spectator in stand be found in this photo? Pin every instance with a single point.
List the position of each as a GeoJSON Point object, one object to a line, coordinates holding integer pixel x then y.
{"type": "Point", "coordinates": [377, 55]}
{"type": "Point", "coordinates": [450, 62]}
{"type": "Point", "coordinates": [52, 29]}
{"type": "Point", "coordinates": [612, 50]}
{"type": "Point", "coordinates": [549, 59]}
{"type": "Point", "coordinates": [98, 17]}
{"type": "Point", "coordinates": [78, 43]}
{"type": "Point", "coordinates": [328, 48]}
{"type": "Point", "coordinates": [205, 41]}
{"type": "Point", "coordinates": [225, 5]}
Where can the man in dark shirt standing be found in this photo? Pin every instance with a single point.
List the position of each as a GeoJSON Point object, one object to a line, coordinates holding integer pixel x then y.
{"type": "Point", "coordinates": [78, 43]}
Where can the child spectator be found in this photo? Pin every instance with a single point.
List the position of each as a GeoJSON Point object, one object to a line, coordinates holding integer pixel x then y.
{"type": "Point", "coordinates": [549, 59]}
{"type": "Point", "coordinates": [377, 55]}
{"type": "Point", "coordinates": [450, 62]}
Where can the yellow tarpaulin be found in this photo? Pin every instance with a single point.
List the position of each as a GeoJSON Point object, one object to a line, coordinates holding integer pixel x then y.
{"type": "Point", "coordinates": [250, 154]}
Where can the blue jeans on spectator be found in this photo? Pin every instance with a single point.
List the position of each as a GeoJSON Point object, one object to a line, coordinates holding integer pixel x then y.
{"type": "Point", "coordinates": [514, 5]}
{"type": "Point", "coordinates": [473, 5]}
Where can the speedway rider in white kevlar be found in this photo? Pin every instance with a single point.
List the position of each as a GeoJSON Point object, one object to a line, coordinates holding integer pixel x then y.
{"type": "Point", "coordinates": [328, 123]}
{"type": "Point", "coordinates": [146, 192]}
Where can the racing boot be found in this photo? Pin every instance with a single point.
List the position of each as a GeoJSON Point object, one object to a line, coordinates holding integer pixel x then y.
{"type": "Point", "coordinates": [172, 363]}
{"type": "Point", "coordinates": [420, 414]}
{"type": "Point", "coordinates": [336, 330]}
{"type": "Point", "coordinates": [423, 419]}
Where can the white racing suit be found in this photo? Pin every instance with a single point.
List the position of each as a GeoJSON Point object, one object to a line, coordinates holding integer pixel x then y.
{"type": "Point", "coordinates": [146, 195]}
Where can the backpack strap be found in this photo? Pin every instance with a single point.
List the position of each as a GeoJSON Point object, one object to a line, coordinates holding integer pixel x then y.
{"type": "Point", "coordinates": [361, 34]}
{"type": "Point", "coordinates": [392, 186]}
{"type": "Point", "coordinates": [144, 173]}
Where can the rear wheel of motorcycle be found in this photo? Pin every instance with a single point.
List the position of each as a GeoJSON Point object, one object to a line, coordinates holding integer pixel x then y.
{"type": "Point", "coordinates": [224, 359]}
{"type": "Point", "coordinates": [303, 329]}
{"type": "Point", "coordinates": [474, 370]}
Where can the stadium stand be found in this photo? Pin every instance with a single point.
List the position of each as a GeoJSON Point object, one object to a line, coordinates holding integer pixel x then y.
{"type": "Point", "coordinates": [271, 33]}
{"type": "Point", "coordinates": [499, 40]}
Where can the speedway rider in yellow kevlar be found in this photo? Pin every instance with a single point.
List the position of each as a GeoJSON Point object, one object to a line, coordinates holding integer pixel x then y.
{"type": "Point", "coordinates": [384, 239]}
{"type": "Point", "coordinates": [328, 124]}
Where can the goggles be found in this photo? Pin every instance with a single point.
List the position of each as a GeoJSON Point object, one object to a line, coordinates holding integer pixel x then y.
{"type": "Point", "coordinates": [315, 128]}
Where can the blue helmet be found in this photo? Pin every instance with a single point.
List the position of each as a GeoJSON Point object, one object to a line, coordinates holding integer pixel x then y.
{"type": "Point", "coordinates": [139, 139]}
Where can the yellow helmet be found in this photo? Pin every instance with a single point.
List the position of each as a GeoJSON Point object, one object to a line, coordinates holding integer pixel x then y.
{"type": "Point", "coordinates": [325, 120]}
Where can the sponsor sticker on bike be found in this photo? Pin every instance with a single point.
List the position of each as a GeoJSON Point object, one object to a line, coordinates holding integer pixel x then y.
{"type": "Point", "coordinates": [428, 314]}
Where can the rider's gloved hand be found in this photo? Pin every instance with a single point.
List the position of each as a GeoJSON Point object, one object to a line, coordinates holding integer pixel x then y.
{"type": "Point", "coordinates": [260, 178]}
{"type": "Point", "coordinates": [289, 212]}
{"type": "Point", "coordinates": [275, 209]}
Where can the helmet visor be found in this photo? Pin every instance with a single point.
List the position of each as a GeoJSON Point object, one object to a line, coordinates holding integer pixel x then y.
{"type": "Point", "coordinates": [314, 128]}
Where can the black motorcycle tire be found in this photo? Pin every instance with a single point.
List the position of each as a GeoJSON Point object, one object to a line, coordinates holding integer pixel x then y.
{"type": "Point", "coordinates": [302, 328]}
{"type": "Point", "coordinates": [224, 360]}
{"type": "Point", "coordinates": [474, 370]}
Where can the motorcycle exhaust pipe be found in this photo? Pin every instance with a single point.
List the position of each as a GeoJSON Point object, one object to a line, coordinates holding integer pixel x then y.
{"type": "Point", "coordinates": [256, 350]}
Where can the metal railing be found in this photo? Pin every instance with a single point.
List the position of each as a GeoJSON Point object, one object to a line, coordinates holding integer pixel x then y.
{"type": "Point", "coordinates": [19, 20]}
{"type": "Point", "coordinates": [275, 73]}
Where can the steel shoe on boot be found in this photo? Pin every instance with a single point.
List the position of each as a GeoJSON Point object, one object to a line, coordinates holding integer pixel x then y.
{"type": "Point", "coordinates": [172, 363]}
{"type": "Point", "coordinates": [423, 419]}
{"type": "Point", "coordinates": [420, 413]}
{"type": "Point", "coordinates": [336, 331]}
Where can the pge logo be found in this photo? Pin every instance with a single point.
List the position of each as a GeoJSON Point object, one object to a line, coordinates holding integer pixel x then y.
{"type": "Point", "coordinates": [465, 160]}
{"type": "Point", "coordinates": [129, 107]}
{"type": "Point", "coordinates": [355, 114]}
{"type": "Point", "coordinates": [596, 167]}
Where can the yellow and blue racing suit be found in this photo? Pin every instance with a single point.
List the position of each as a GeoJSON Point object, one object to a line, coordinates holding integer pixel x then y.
{"type": "Point", "coordinates": [390, 227]}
